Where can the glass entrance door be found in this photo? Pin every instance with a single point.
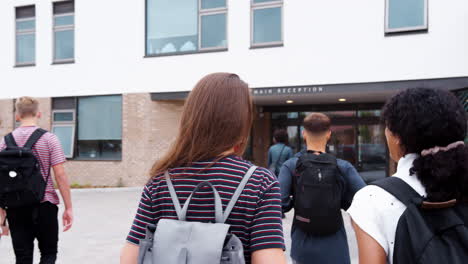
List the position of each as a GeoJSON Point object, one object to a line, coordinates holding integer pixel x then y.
{"type": "Point", "coordinates": [356, 137]}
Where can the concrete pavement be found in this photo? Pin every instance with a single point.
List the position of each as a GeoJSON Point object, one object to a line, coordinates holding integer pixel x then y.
{"type": "Point", "coordinates": [102, 221]}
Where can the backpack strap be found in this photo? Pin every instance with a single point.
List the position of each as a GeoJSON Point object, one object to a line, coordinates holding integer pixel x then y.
{"type": "Point", "coordinates": [181, 212]}
{"type": "Point", "coordinates": [238, 192]}
{"type": "Point", "coordinates": [400, 189]}
{"type": "Point", "coordinates": [172, 192]}
{"type": "Point", "coordinates": [10, 141]}
{"type": "Point", "coordinates": [279, 157]}
{"type": "Point", "coordinates": [35, 136]}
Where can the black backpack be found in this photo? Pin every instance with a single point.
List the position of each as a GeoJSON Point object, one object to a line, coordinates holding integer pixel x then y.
{"type": "Point", "coordinates": [428, 233]}
{"type": "Point", "coordinates": [21, 181]}
{"type": "Point", "coordinates": [318, 188]}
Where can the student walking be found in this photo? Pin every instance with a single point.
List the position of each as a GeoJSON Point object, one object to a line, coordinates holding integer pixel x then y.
{"type": "Point", "coordinates": [318, 186]}
{"type": "Point", "coordinates": [279, 152]}
{"type": "Point", "coordinates": [420, 214]}
{"type": "Point", "coordinates": [213, 134]}
{"type": "Point", "coordinates": [27, 194]}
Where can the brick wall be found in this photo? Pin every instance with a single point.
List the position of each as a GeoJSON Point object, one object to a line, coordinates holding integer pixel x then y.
{"type": "Point", "coordinates": [148, 128]}
{"type": "Point", "coordinates": [6, 116]}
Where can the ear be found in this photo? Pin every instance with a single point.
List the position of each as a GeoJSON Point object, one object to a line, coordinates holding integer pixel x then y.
{"type": "Point", "coordinates": [304, 134]}
{"type": "Point", "coordinates": [39, 115]}
{"type": "Point", "coordinates": [329, 133]}
{"type": "Point", "coordinates": [17, 118]}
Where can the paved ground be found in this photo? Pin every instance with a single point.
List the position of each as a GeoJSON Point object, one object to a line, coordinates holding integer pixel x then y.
{"type": "Point", "coordinates": [102, 220]}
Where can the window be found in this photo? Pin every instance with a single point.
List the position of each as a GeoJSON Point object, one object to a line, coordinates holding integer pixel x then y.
{"type": "Point", "coordinates": [25, 35]}
{"type": "Point", "coordinates": [405, 15]}
{"type": "Point", "coordinates": [64, 32]}
{"type": "Point", "coordinates": [92, 124]}
{"type": "Point", "coordinates": [266, 23]}
{"type": "Point", "coordinates": [185, 26]}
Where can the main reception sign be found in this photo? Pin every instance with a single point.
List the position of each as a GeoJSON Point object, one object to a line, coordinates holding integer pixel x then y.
{"type": "Point", "coordinates": [288, 90]}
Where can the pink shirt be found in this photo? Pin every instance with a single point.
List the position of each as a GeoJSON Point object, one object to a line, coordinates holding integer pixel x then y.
{"type": "Point", "coordinates": [47, 150]}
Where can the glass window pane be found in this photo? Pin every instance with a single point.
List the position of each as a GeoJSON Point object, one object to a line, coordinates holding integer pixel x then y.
{"type": "Point", "coordinates": [284, 115]}
{"type": "Point", "coordinates": [172, 26]}
{"type": "Point", "coordinates": [64, 20]}
{"type": "Point", "coordinates": [64, 44]}
{"type": "Point", "coordinates": [267, 25]}
{"type": "Point", "coordinates": [63, 116]}
{"type": "Point", "coordinates": [372, 158]}
{"type": "Point", "coordinates": [263, 1]}
{"type": "Point", "coordinates": [25, 12]}
{"type": "Point", "coordinates": [26, 25]}
{"type": "Point", "coordinates": [65, 136]}
{"type": "Point", "coordinates": [100, 118]}
{"type": "Point", "coordinates": [406, 13]}
{"type": "Point", "coordinates": [213, 31]}
{"type": "Point", "coordinates": [100, 149]}
{"type": "Point", "coordinates": [64, 103]}
{"type": "Point", "coordinates": [25, 48]}
{"type": "Point", "coordinates": [207, 4]}
{"type": "Point", "coordinates": [64, 7]}
{"type": "Point", "coordinates": [369, 113]}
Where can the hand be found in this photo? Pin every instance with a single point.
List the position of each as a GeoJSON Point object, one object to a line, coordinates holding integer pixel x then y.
{"type": "Point", "coordinates": [67, 219]}
{"type": "Point", "coordinates": [4, 230]}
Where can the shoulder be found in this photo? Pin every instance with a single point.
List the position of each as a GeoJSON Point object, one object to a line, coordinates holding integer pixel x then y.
{"type": "Point", "coordinates": [291, 163]}
{"type": "Point", "coordinates": [264, 177]}
{"type": "Point", "coordinates": [344, 164]}
{"type": "Point", "coordinates": [373, 194]}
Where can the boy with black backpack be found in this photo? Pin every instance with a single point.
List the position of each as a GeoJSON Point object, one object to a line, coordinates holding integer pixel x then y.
{"type": "Point", "coordinates": [318, 185]}
{"type": "Point", "coordinates": [27, 193]}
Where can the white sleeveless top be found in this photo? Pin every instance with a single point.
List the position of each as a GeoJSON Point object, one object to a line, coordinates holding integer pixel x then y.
{"type": "Point", "coordinates": [377, 212]}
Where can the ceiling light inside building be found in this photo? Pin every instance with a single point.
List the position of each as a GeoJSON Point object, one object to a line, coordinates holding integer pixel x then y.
{"type": "Point", "coordinates": [289, 101]}
{"type": "Point", "coordinates": [342, 99]}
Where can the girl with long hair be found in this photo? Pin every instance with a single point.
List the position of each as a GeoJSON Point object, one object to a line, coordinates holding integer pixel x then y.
{"type": "Point", "coordinates": [213, 134]}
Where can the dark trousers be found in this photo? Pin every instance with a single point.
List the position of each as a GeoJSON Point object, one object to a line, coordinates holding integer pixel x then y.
{"type": "Point", "coordinates": [30, 223]}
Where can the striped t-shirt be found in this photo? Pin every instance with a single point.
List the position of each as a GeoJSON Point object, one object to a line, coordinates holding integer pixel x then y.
{"type": "Point", "coordinates": [255, 219]}
{"type": "Point", "coordinates": [47, 150]}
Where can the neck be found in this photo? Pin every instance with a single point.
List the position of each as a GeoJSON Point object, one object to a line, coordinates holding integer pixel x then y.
{"type": "Point", "coordinates": [28, 122]}
{"type": "Point", "coordinates": [317, 146]}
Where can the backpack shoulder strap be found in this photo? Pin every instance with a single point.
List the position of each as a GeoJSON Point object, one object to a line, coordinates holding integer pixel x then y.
{"type": "Point", "coordinates": [400, 189]}
{"type": "Point", "coordinates": [35, 136]}
{"type": "Point", "coordinates": [10, 141]}
{"type": "Point", "coordinates": [238, 192]}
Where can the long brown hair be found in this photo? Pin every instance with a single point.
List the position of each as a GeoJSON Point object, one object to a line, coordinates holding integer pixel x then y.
{"type": "Point", "coordinates": [217, 117]}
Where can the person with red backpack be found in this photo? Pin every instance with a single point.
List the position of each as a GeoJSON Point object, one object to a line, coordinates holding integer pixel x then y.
{"type": "Point", "coordinates": [420, 214]}
{"type": "Point", "coordinates": [27, 194]}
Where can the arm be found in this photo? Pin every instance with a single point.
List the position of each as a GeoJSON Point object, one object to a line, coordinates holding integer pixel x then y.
{"type": "Point", "coordinates": [285, 180]}
{"type": "Point", "coordinates": [64, 187]}
{"type": "Point", "coordinates": [269, 256]}
{"type": "Point", "coordinates": [146, 215]}
{"type": "Point", "coordinates": [129, 254]}
{"type": "Point", "coordinates": [353, 183]}
{"type": "Point", "coordinates": [269, 158]}
{"type": "Point", "coordinates": [370, 252]}
{"type": "Point", "coordinates": [266, 230]}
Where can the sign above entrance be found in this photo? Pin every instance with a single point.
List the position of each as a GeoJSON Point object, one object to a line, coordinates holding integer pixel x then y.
{"type": "Point", "coordinates": [288, 90]}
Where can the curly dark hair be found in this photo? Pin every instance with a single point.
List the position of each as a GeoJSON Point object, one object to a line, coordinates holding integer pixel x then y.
{"type": "Point", "coordinates": [425, 118]}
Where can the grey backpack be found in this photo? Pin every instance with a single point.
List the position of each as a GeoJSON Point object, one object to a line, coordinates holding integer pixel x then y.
{"type": "Point", "coordinates": [183, 242]}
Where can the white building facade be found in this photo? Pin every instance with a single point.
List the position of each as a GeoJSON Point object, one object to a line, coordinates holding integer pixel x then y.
{"type": "Point", "coordinates": [132, 63]}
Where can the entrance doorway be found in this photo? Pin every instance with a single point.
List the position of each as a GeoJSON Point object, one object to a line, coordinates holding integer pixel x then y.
{"type": "Point", "coordinates": [357, 137]}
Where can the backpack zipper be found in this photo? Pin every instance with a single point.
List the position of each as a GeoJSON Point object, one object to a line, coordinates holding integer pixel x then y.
{"type": "Point", "coordinates": [320, 175]}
